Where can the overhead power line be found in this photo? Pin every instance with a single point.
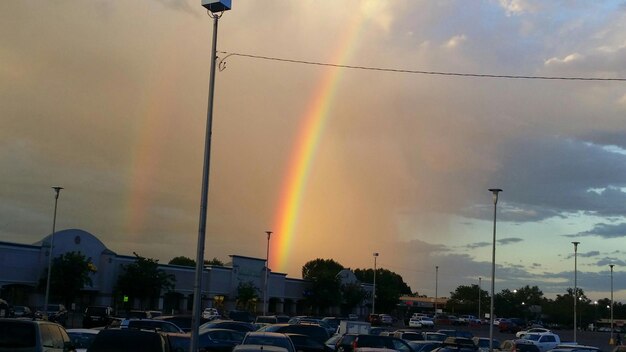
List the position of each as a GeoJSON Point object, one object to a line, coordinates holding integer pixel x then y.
{"type": "Point", "coordinates": [418, 72]}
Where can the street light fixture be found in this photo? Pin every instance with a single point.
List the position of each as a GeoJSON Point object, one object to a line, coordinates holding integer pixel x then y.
{"type": "Point", "coordinates": [267, 271]}
{"type": "Point", "coordinates": [215, 9]}
{"type": "Point", "coordinates": [374, 290]}
{"type": "Point", "coordinates": [495, 192]}
{"type": "Point", "coordinates": [575, 243]}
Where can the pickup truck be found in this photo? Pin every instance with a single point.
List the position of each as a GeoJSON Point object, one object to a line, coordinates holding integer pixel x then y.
{"type": "Point", "coordinates": [544, 341]}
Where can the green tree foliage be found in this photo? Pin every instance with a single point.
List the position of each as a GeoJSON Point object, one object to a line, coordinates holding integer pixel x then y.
{"type": "Point", "coordinates": [325, 288]}
{"type": "Point", "coordinates": [214, 261]}
{"type": "Point", "coordinates": [247, 296]}
{"type": "Point", "coordinates": [352, 296]}
{"type": "Point", "coordinates": [464, 300]}
{"type": "Point", "coordinates": [519, 303]}
{"type": "Point", "coordinates": [183, 261]}
{"type": "Point", "coordinates": [144, 280]}
{"type": "Point", "coordinates": [186, 261]}
{"type": "Point", "coordinates": [71, 272]}
{"type": "Point", "coordinates": [389, 287]}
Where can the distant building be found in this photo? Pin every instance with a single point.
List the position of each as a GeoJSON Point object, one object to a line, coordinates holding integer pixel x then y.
{"type": "Point", "coordinates": [23, 266]}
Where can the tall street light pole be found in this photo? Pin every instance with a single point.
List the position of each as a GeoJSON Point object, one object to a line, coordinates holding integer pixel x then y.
{"type": "Point", "coordinates": [611, 265]}
{"type": "Point", "coordinates": [57, 190]}
{"type": "Point", "coordinates": [436, 287]}
{"type": "Point", "coordinates": [215, 9]}
{"type": "Point", "coordinates": [267, 271]}
{"type": "Point", "coordinates": [575, 283]}
{"type": "Point", "coordinates": [374, 290]}
{"type": "Point", "coordinates": [495, 192]}
{"type": "Point", "coordinates": [479, 296]}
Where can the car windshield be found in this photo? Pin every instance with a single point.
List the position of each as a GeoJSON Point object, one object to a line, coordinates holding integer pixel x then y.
{"type": "Point", "coordinates": [532, 337]}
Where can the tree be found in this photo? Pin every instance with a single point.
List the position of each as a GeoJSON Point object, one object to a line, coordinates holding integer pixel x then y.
{"type": "Point", "coordinates": [143, 280]}
{"type": "Point", "coordinates": [352, 295]}
{"type": "Point", "coordinates": [71, 272]}
{"type": "Point", "coordinates": [325, 289]}
{"type": "Point", "coordinates": [186, 261]}
{"type": "Point", "coordinates": [464, 299]}
{"type": "Point", "coordinates": [247, 296]}
{"type": "Point", "coordinates": [183, 261]}
{"type": "Point", "coordinates": [389, 287]}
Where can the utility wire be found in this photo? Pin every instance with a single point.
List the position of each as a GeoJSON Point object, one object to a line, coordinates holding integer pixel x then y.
{"type": "Point", "coordinates": [437, 73]}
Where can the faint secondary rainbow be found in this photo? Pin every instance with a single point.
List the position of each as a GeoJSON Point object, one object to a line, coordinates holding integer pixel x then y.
{"type": "Point", "coordinates": [303, 155]}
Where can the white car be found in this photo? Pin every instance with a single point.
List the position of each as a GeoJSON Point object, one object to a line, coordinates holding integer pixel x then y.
{"type": "Point", "coordinates": [521, 333]}
{"type": "Point", "coordinates": [210, 313]}
{"type": "Point", "coordinates": [421, 322]}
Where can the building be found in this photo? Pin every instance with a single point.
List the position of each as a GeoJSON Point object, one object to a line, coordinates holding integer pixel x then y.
{"type": "Point", "coordinates": [23, 266]}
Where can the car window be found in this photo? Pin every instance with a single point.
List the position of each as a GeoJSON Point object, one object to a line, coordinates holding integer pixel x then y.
{"type": "Point", "coordinates": [400, 345]}
{"type": "Point", "coordinates": [17, 335]}
{"type": "Point", "coordinates": [51, 336]}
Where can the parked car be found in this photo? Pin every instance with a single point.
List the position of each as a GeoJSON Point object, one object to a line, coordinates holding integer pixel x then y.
{"type": "Point", "coordinates": [21, 312]}
{"type": "Point", "coordinates": [509, 325]}
{"type": "Point", "coordinates": [483, 344]}
{"type": "Point", "coordinates": [545, 341]}
{"type": "Point", "coordinates": [210, 313]}
{"type": "Point", "coordinates": [351, 342]}
{"type": "Point", "coordinates": [518, 346]}
{"type": "Point", "coordinates": [425, 346]}
{"type": "Point", "coordinates": [82, 338]}
{"type": "Point", "coordinates": [33, 336]}
{"type": "Point", "coordinates": [575, 348]}
{"type": "Point", "coordinates": [57, 313]}
{"type": "Point", "coordinates": [269, 339]}
{"type": "Point", "coordinates": [96, 316]}
{"type": "Point", "coordinates": [306, 343]}
{"type": "Point", "coordinates": [220, 340]}
{"type": "Point", "coordinates": [228, 324]}
{"type": "Point", "coordinates": [520, 333]}
{"type": "Point", "coordinates": [374, 319]}
{"type": "Point", "coordinates": [456, 333]}
{"type": "Point", "coordinates": [434, 336]}
{"type": "Point", "coordinates": [130, 340]}
{"type": "Point", "coordinates": [463, 342]}
{"type": "Point", "coordinates": [408, 335]}
{"type": "Point", "coordinates": [386, 319]}
{"type": "Point", "coordinates": [150, 324]}
{"type": "Point", "coordinates": [312, 330]}
{"type": "Point", "coordinates": [182, 321]}
{"type": "Point", "coordinates": [421, 322]}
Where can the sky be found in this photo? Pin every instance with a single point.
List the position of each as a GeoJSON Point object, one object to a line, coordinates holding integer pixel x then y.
{"type": "Point", "coordinates": [361, 152]}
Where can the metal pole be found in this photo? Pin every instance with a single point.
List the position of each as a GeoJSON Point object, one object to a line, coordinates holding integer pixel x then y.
{"type": "Point", "coordinates": [479, 298]}
{"type": "Point", "coordinates": [54, 221]}
{"type": "Point", "coordinates": [374, 291]}
{"type": "Point", "coordinates": [575, 284]}
{"type": "Point", "coordinates": [495, 192]}
{"type": "Point", "coordinates": [436, 287]}
{"type": "Point", "coordinates": [195, 320]}
{"type": "Point", "coordinates": [611, 265]}
{"type": "Point", "coordinates": [267, 270]}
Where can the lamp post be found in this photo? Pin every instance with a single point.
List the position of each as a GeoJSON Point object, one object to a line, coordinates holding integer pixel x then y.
{"type": "Point", "coordinates": [575, 243]}
{"type": "Point", "coordinates": [57, 190]}
{"type": "Point", "coordinates": [495, 192]}
{"type": "Point", "coordinates": [267, 270]}
{"type": "Point", "coordinates": [215, 9]}
{"type": "Point", "coordinates": [479, 297]}
{"type": "Point", "coordinates": [374, 290]}
{"type": "Point", "coordinates": [611, 266]}
{"type": "Point", "coordinates": [436, 287]}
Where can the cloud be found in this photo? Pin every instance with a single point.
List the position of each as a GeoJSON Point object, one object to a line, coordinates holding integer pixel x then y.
{"type": "Point", "coordinates": [605, 262]}
{"type": "Point", "coordinates": [566, 60]}
{"type": "Point", "coordinates": [478, 245]}
{"type": "Point", "coordinates": [511, 240]}
{"type": "Point", "coordinates": [516, 7]}
{"type": "Point", "coordinates": [604, 230]}
{"type": "Point", "coordinates": [589, 254]}
{"type": "Point", "coordinates": [455, 41]}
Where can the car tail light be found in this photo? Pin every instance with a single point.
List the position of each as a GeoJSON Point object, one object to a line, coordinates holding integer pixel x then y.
{"type": "Point", "coordinates": [355, 344]}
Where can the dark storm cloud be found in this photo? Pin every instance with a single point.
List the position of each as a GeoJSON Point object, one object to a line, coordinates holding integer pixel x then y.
{"type": "Point", "coordinates": [604, 230]}
{"type": "Point", "coordinates": [554, 177]}
{"type": "Point", "coordinates": [584, 254]}
{"type": "Point", "coordinates": [605, 262]}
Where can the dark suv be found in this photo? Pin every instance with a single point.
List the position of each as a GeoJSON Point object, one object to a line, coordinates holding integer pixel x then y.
{"type": "Point", "coordinates": [33, 335]}
{"type": "Point", "coordinates": [350, 342]}
{"type": "Point", "coordinates": [96, 316]}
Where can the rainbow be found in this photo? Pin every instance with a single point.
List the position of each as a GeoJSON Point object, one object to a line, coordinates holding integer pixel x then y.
{"type": "Point", "coordinates": [303, 155]}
